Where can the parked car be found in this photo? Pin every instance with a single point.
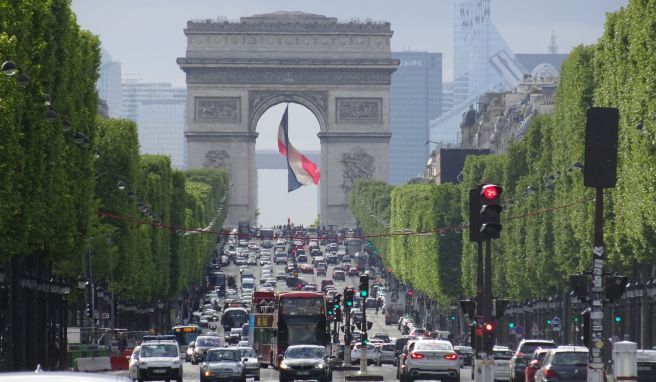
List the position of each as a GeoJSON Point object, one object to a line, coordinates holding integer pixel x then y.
{"type": "Point", "coordinates": [564, 363]}
{"type": "Point", "coordinates": [522, 355]}
{"type": "Point", "coordinates": [431, 359]}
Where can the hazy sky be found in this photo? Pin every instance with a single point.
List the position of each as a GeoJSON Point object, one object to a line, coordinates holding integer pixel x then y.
{"type": "Point", "coordinates": [147, 35]}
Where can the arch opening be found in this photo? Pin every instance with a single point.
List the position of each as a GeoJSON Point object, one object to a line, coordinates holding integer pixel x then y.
{"type": "Point", "coordinates": [274, 204]}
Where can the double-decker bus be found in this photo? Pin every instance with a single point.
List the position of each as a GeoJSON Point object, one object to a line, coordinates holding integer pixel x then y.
{"type": "Point", "coordinates": [302, 320]}
{"type": "Point", "coordinates": [185, 334]}
{"type": "Point", "coordinates": [265, 319]}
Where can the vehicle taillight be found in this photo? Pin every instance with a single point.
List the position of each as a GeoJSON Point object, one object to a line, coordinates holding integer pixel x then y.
{"type": "Point", "coordinates": [416, 356]}
{"type": "Point", "coordinates": [299, 286]}
{"type": "Point", "coordinates": [451, 357]}
{"type": "Point", "coordinates": [548, 373]}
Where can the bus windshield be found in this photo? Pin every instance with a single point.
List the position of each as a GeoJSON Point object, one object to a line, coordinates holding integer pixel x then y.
{"type": "Point", "coordinates": [186, 334]}
{"type": "Point", "coordinates": [302, 306]}
{"type": "Point", "coordinates": [234, 318]}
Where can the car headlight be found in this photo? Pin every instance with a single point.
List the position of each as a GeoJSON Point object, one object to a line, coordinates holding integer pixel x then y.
{"type": "Point", "coordinates": [207, 373]}
{"type": "Point", "coordinates": [284, 366]}
{"type": "Point", "coordinates": [190, 351]}
{"type": "Point", "coordinates": [320, 365]}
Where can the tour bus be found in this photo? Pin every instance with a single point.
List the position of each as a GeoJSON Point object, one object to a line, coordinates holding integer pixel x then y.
{"type": "Point", "coordinates": [184, 334]}
{"type": "Point", "coordinates": [265, 320]}
{"type": "Point", "coordinates": [353, 245]}
{"type": "Point", "coordinates": [266, 234]}
{"type": "Point", "coordinates": [302, 320]}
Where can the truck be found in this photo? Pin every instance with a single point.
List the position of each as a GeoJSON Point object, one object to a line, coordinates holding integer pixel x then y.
{"type": "Point", "coordinates": [394, 306]}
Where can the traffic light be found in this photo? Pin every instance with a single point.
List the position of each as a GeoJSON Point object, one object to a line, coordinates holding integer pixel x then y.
{"type": "Point", "coordinates": [579, 284]}
{"type": "Point", "coordinates": [614, 287]}
{"type": "Point", "coordinates": [88, 311]}
{"type": "Point", "coordinates": [585, 315]}
{"type": "Point", "coordinates": [348, 298]}
{"type": "Point", "coordinates": [331, 310]}
{"type": "Point", "coordinates": [453, 317]}
{"type": "Point", "coordinates": [370, 244]}
{"type": "Point", "coordinates": [409, 293]}
{"type": "Point", "coordinates": [618, 319]}
{"type": "Point", "coordinates": [364, 339]}
{"type": "Point", "coordinates": [549, 321]}
{"type": "Point", "coordinates": [364, 286]}
{"type": "Point", "coordinates": [469, 308]}
{"type": "Point", "coordinates": [489, 211]}
{"type": "Point", "coordinates": [337, 305]}
{"type": "Point", "coordinates": [511, 324]}
{"type": "Point", "coordinates": [499, 306]}
{"type": "Point", "coordinates": [488, 337]}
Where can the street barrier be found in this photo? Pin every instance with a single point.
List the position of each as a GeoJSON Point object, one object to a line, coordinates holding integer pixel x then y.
{"type": "Point", "coordinates": [93, 364]}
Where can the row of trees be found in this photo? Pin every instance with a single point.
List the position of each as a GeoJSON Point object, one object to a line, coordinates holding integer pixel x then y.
{"type": "Point", "coordinates": [59, 172]}
{"type": "Point", "coordinates": [538, 251]}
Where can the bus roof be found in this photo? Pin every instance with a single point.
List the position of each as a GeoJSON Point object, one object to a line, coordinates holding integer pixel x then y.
{"type": "Point", "coordinates": [259, 295]}
{"type": "Point", "coordinates": [300, 295]}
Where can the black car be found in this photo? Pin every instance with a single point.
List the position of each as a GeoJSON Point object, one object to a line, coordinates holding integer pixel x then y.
{"type": "Point", "coordinates": [465, 355]}
{"type": "Point", "coordinates": [305, 362]}
{"type": "Point", "coordinates": [202, 345]}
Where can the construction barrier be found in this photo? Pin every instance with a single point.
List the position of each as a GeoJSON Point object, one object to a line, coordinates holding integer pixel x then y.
{"type": "Point", "coordinates": [93, 364]}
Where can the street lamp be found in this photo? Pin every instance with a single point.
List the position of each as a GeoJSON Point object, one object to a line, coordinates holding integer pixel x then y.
{"type": "Point", "coordinates": [9, 68]}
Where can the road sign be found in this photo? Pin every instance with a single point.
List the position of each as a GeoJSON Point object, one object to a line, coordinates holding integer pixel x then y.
{"type": "Point", "coordinates": [519, 330]}
{"type": "Point", "coordinates": [535, 331]}
{"type": "Point", "coordinates": [555, 324]}
{"type": "Point", "coordinates": [104, 316]}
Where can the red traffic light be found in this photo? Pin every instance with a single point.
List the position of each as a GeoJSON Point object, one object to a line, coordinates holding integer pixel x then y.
{"type": "Point", "coordinates": [488, 327]}
{"type": "Point", "coordinates": [490, 192]}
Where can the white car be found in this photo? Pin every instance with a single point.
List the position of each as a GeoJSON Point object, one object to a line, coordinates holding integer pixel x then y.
{"type": "Point", "coordinates": [373, 355]}
{"type": "Point", "coordinates": [431, 359]}
{"type": "Point", "coordinates": [133, 364]}
{"type": "Point", "coordinates": [502, 356]}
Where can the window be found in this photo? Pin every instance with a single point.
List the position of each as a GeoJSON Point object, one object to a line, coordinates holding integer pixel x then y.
{"type": "Point", "coordinates": [433, 346]}
{"type": "Point", "coordinates": [222, 355]}
{"type": "Point", "coordinates": [305, 353]}
{"type": "Point", "coordinates": [159, 350]}
{"type": "Point", "coordinates": [570, 359]}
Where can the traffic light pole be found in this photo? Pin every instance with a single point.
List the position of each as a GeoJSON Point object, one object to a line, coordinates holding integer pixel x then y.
{"type": "Point", "coordinates": [347, 336]}
{"type": "Point", "coordinates": [596, 352]}
{"type": "Point", "coordinates": [363, 351]}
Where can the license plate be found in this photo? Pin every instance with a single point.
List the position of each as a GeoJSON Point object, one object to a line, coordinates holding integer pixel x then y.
{"type": "Point", "coordinates": [159, 371]}
{"type": "Point", "coordinates": [303, 373]}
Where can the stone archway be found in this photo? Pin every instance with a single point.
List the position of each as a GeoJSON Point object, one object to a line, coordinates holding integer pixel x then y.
{"type": "Point", "coordinates": [340, 71]}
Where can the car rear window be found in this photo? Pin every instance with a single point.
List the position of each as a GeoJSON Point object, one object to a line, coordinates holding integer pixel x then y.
{"type": "Point", "coordinates": [570, 359]}
{"type": "Point", "coordinates": [529, 348]}
{"type": "Point", "coordinates": [433, 346]}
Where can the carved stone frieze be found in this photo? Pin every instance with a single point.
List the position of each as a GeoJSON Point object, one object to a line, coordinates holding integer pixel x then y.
{"type": "Point", "coordinates": [359, 110]}
{"type": "Point", "coordinates": [217, 159]}
{"type": "Point", "coordinates": [357, 165]}
{"type": "Point", "coordinates": [288, 76]}
{"type": "Point", "coordinates": [218, 109]}
{"type": "Point", "coordinates": [258, 97]}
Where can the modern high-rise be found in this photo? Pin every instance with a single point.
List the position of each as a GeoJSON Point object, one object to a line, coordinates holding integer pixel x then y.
{"type": "Point", "coordinates": [109, 84]}
{"type": "Point", "coordinates": [160, 112]}
{"type": "Point", "coordinates": [415, 99]}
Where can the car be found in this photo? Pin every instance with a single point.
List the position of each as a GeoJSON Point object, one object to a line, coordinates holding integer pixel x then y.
{"type": "Point", "coordinates": [305, 362]}
{"type": "Point", "coordinates": [338, 275]}
{"type": "Point", "coordinates": [383, 337]}
{"type": "Point", "coordinates": [417, 332]}
{"type": "Point", "coordinates": [325, 283]}
{"type": "Point", "coordinates": [386, 354]}
{"type": "Point", "coordinates": [373, 356]}
{"type": "Point", "coordinates": [331, 258]}
{"type": "Point", "coordinates": [233, 336]}
{"type": "Point", "coordinates": [223, 364]}
{"type": "Point", "coordinates": [251, 261]}
{"type": "Point", "coordinates": [302, 259]}
{"type": "Point", "coordinates": [524, 351]}
{"type": "Point", "coordinates": [307, 268]}
{"type": "Point", "coordinates": [281, 276]}
{"type": "Point", "coordinates": [353, 271]}
{"type": "Point", "coordinates": [564, 363]}
{"type": "Point", "coordinates": [646, 364]}
{"type": "Point", "coordinates": [356, 315]}
{"type": "Point", "coordinates": [251, 362]}
{"type": "Point", "coordinates": [402, 356]}
{"type": "Point", "coordinates": [465, 355]}
{"type": "Point", "coordinates": [534, 364]}
{"type": "Point", "coordinates": [310, 287]}
{"type": "Point", "coordinates": [321, 271]}
{"type": "Point", "coordinates": [202, 345]}
{"type": "Point", "coordinates": [159, 359]}
{"type": "Point", "coordinates": [133, 363]}
{"type": "Point", "coordinates": [502, 356]}
{"type": "Point", "coordinates": [431, 359]}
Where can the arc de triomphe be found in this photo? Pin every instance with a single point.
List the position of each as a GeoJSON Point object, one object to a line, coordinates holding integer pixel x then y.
{"type": "Point", "coordinates": [339, 70]}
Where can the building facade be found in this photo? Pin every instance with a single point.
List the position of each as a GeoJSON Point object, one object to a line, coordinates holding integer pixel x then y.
{"type": "Point", "coordinates": [160, 112]}
{"type": "Point", "coordinates": [415, 99]}
{"type": "Point", "coordinates": [109, 84]}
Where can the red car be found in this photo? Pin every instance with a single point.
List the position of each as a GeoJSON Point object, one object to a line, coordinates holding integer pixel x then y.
{"type": "Point", "coordinates": [534, 364]}
{"type": "Point", "coordinates": [353, 271]}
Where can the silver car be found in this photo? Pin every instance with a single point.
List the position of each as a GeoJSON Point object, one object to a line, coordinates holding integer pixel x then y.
{"type": "Point", "coordinates": [251, 362]}
{"type": "Point", "coordinates": [223, 364]}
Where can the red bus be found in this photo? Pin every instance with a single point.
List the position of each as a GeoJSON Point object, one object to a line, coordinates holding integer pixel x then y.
{"type": "Point", "coordinates": [264, 310]}
{"type": "Point", "coordinates": [302, 320]}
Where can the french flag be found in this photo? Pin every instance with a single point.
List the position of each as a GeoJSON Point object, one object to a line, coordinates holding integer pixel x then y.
{"type": "Point", "coordinates": [300, 170]}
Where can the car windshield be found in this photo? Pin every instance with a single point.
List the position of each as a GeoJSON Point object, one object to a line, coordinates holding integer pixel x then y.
{"type": "Point", "coordinates": [223, 355]}
{"type": "Point", "coordinates": [159, 350]}
{"type": "Point", "coordinates": [570, 359]}
{"type": "Point", "coordinates": [432, 346]}
{"type": "Point", "coordinates": [308, 353]}
{"type": "Point", "coordinates": [208, 342]}
{"type": "Point", "coordinates": [247, 353]}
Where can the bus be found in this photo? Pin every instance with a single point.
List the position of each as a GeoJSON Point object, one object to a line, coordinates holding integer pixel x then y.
{"type": "Point", "coordinates": [185, 334]}
{"type": "Point", "coordinates": [234, 317]}
{"type": "Point", "coordinates": [266, 234]}
{"type": "Point", "coordinates": [302, 320]}
{"type": "Point", "coordinates": [217, 279]}
{"type": "Point", "coordinates": [353, 245]}
{"type": "Point", "coordinates": [265, 320]}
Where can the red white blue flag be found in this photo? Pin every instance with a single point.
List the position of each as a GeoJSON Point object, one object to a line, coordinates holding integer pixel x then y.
{"type": "Point", "coordinates": [301, 171]}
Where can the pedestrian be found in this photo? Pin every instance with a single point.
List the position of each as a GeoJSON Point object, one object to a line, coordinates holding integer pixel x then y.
{"type": "Point", "coordinates": [376, 313]}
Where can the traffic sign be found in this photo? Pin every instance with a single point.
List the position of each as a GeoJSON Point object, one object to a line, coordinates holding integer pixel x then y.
{"type": "Point", "coordinates": [519, 330]}
{"type": "Point", "coordinates": [535, 331]}
{"type": "Point", "coordinates": [104, 316]}
{"type": "Point", "coordinates": [555, 324]}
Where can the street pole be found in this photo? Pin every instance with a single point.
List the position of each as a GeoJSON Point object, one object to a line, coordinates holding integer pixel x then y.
{"type": "Point", "coordinates": [480, 303]}
{"type": "Point", "coordinates": [597, 354]}
{"type": "Point", "coordinates": [347, 335]}
{"type": "Point", "coordinates": [363, 352]}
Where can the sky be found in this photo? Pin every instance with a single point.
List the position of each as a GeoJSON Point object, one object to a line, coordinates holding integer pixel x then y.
{"type": "Point", "coordinates": [147, 37]}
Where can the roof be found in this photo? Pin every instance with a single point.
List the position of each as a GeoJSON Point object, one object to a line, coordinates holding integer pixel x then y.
{"type": "Point", "coordinates": [300, 295]}
{"type": "Point", "coordinates": [531, 61]}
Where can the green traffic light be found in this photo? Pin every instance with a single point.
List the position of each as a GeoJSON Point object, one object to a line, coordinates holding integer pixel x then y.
{"type": "Point", "coordinates": [336, 306]}
{"type": "Point", "coordinates": [511, 324]}
{"type": "Point", "coordinates": [363, 293]}
{"type": "Point", "coordinates": [453, 318]}
{"type": "Point", "coordinates": [618, 319]}
{"type": "Point", "coordinates": [548, 322]}
{"type": "Point", "coordinates": [349, 303]}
